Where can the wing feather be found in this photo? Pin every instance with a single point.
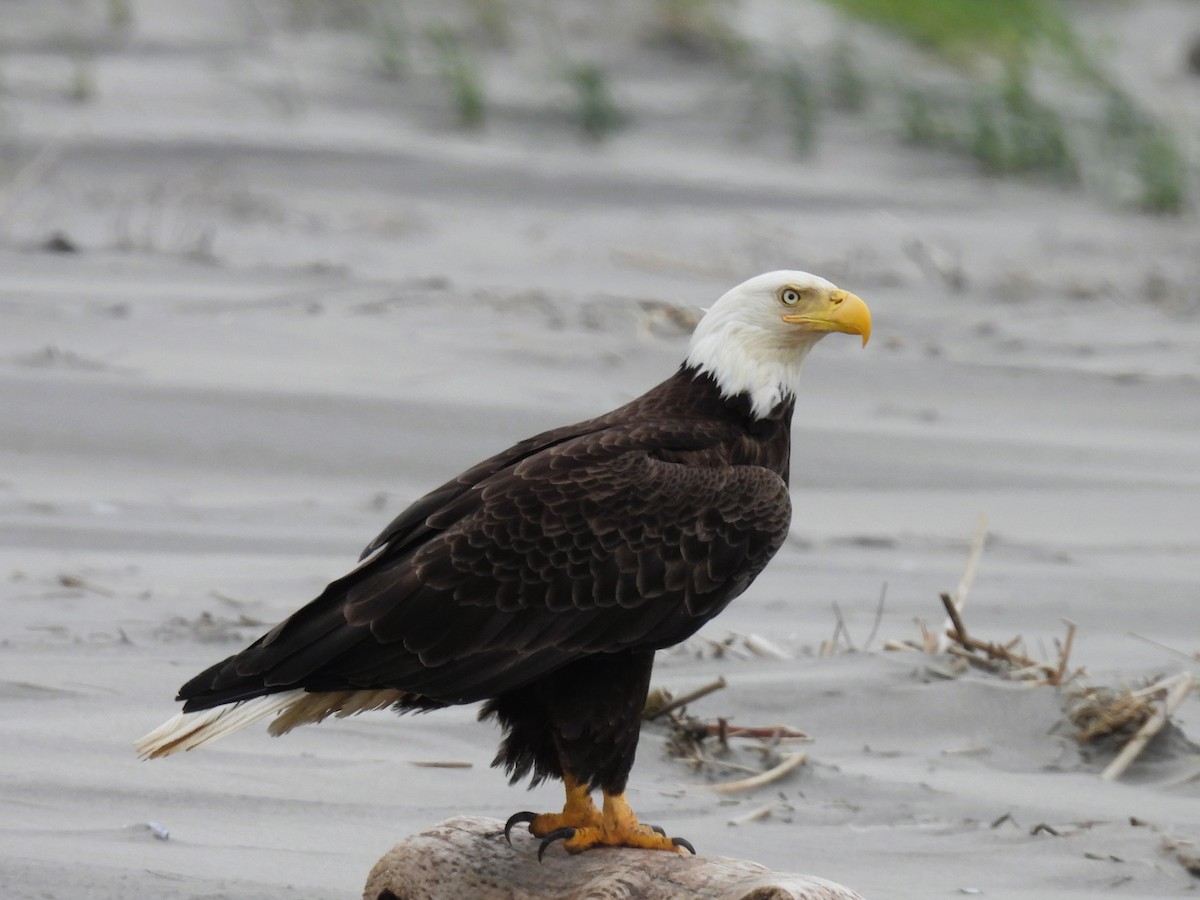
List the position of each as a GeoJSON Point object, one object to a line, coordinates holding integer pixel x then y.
{"type": "Point", "coordinates": [587, 543]}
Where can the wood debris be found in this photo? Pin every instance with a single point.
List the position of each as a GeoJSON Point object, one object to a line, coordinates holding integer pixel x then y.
{"type": "Point", "coordinates": [709, 744]}
{"type": "Point", "coordinates": [755, 815]}
{"type": "Point", "coordinates": [1189, 862]}
{"type": "Point", "coordinates": [441, 763]}
{"type": "Point", "coordinates": [660, 702]}
{"type": "Point", "coordinates": [1004, 659]}
{"type": "Point", "coordinates": [1129, 719]}
{"type": "Point", "coordinates": [790, 761]}
{"type": "Point", "coordinates": [732, 646]}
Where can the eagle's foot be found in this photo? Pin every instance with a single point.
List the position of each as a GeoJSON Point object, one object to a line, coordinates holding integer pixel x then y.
{"type": "Point", "coordinates": [578, 812]}
{"type": "Point", "coordinates": [577, 840]}
{"type": "Point", "coordinates": [544, 824]}
{"type": "Point", "coordinates": [618, 827]}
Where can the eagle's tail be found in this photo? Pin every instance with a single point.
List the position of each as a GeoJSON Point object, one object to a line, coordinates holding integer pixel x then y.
{"type": "Point", "coordinates": [188, 730]}
{"type": "Point", "coordinates": [296, 707]}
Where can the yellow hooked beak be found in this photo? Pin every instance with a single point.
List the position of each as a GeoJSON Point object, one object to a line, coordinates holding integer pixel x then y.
{"type": "Point", "coordinates": [838, 311]}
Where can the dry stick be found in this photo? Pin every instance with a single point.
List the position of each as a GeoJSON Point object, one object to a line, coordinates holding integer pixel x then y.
{"type": "Point", "coordinates": [1190, 657]}
{"type": "Point", "coordinates": [687, 698]}
{"type": "Point", "coordinates": [1065, 654]}
{"type": "Point", "coordinates": [699, 757]}
{"type": "Point", "coordinates": [768, 732]}
{"type": "Point", "coordinates": [760, 646]}
{"type": "Point", "coordinates": [878, 618]}
{"type": "Point", "coordinates": [1185, 779]}
{"type": "Point", "coordinates": [1163, 684]}
{"type": "Point", "coordinates": [754, 815]}
{"type": "Point", "coordinates": [441, 763]}
{"type": "Point", "coordinates": [789, 762]}
{"type": "Point", "coordinates": [841, 626]}
{"type": "Point", "coordinates": [960, 630]}
{"type": "Point", "coordinates": [995, 666]}
{"type": "Point", "coordinates": [1025, 665]}
{"type": "Point", "coordinates": [929, 641]}
{"type": "Point", "coordinates": [1152, 726]}
{"type": "Point", "coordinates": [968, 576]}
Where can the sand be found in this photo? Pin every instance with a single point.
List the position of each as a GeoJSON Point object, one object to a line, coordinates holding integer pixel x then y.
{"type": "Point", "coordinates": [300, 298]}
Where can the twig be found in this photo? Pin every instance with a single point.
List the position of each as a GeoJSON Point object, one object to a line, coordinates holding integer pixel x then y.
{"type": "Point", "coordinates": [440, 763]}
{"type": "Point", "coordinates": [841, 627]}
{"type": "Point", "coordinates": [968, 576]}
{"type": "Point", "coordinates": [754, 815]}
{"type": "Point", "coordinates": [1190, 657]}
{"type": "Point", "coordinates": [789, 762]}
{"type": "Point", "coordinates": [959, 599]}
{"type": "Point", "coordinates": [1185, 779]}
{"type": "Point", "coordinates": [878, 618]}
{"type": "Point", "coordinates": [995, 666]}
{"type": "Point", "coordinates": [699, 757]}
{"type": "Point", "coordinates": [1152, 726]}
{"type": "Point", "coordinates": [960, 630]}
{"type": "Point", "coordinates": [1065, 654]}
{"type": "Point", "coordinates": [760, 646]}
{"type": "Point", "coordinates": [1163, 684]}
{"type": "Point", "coordinates": [686, 699]}
{"type": "Point", "coordinates": [75, 581]}
{"type": "Point", "coordinates": [767, 732]}
{"type": "Point", "coordinates": [929, 641]}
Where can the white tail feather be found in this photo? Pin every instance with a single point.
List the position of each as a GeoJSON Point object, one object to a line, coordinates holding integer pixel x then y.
{"type": "Point", "coordinates": [187, 731]}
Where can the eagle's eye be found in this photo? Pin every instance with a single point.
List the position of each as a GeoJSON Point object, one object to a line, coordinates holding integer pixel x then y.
{"type": "Point", "coordinates": [789, 296]}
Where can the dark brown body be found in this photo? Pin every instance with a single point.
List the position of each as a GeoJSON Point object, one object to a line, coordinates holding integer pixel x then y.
{"type": "Point", "coordinates": [542, 580]}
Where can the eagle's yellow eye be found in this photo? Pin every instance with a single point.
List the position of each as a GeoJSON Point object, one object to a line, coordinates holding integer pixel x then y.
{"type": "Point", "coordinates": [790, 296]}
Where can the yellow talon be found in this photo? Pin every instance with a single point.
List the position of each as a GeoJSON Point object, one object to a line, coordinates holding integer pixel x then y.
{"type": "Point", "coordinates": [618, 827]}
{"type": "Point", "coordinates": [578, 812]}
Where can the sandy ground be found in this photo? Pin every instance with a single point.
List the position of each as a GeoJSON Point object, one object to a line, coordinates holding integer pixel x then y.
{"type": "Point", "coordinates": [300, 299]}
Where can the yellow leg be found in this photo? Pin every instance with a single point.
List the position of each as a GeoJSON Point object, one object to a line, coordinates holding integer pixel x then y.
{"type": "Point", "coordinates": [578, 812]}
{"type": "Point", "coordinates": [619, 827]}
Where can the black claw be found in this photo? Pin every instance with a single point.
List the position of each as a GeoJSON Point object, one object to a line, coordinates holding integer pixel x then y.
{"type": "Point", "coordinates": [685, 844]}
{"type": "Point", "coordinates": [658, 829]}
{"type": "Point", "coordinates": [558, 834]}
{"type": "Point", "coordinates": [516, 819]}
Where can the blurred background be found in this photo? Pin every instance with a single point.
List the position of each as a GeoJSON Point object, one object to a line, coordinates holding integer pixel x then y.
{"type": "Point", "coordinates": [270, 270]}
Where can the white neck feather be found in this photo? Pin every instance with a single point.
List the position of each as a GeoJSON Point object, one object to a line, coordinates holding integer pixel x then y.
{"type": "Point", "coordinates": [744, 359]}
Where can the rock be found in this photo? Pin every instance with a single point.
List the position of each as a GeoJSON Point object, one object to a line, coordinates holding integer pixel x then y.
{"type": "Point", "coordinates": [467, 857]}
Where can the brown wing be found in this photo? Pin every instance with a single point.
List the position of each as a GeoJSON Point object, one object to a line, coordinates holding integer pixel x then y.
{"type": "Point", "coordinates": [593, 543]}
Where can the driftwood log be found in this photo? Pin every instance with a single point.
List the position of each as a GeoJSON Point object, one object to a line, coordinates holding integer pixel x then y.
{"type": "Point", "coordinates": [468, 857]}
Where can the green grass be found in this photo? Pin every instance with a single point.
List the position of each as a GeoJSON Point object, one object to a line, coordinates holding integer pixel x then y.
{"type": "Point", "coordinates": [961, 29]}
{"type": "Point", "coordinates": [848, 88]}
{"type": "Point", "coordinates": [492, 18]}
{"type": "Point", "coordinates": [595, 109]}
{"type": "Point", "coordinates": [1136, 142]}
{"type": "Point", "coordinates": [120, 14]}
{"type": "Point", "coordinates": [81, 86]}
{"type": "Point", "coordinates": [801, 105]}
{"type": "Point", "coordinates": [1014, 133]}
{"type": "Point", "coordinates": [461, 76]}
{"type": "Point", "coordinates": [391, 48]}
{"type": "Point", "coordinates": [782, 95]}
{"type": "Point", "coordinates": [920, 124]}
{"type": "Point", "coordinates": [1004, 128]}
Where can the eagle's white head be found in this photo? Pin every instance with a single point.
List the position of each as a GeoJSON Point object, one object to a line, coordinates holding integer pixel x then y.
{"type": "Point", "coordinates": [755, 337]}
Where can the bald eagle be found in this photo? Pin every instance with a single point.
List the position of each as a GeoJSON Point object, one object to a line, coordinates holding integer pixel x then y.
{"type": "Point", "coordinates": [542, 580]}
